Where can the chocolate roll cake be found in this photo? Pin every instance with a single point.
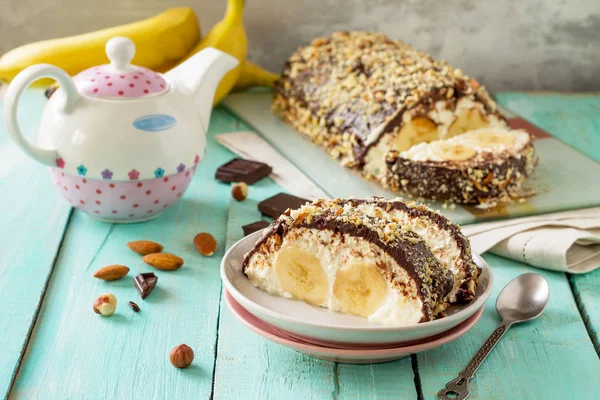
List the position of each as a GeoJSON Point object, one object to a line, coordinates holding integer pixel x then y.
{"type": "Point", "coordinates": [362, 95]}
{"type": "Point", "coordinates": [389, 261]}
{"type": "Point", "coordinates": [480, 166]}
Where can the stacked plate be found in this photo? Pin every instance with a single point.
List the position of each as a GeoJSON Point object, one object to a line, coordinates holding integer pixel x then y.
{"type": "Point", "coordinates": [332, 336]}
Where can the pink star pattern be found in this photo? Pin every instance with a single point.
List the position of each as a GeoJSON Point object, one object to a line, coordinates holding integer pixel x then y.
{"type": "Point", "coordinates": [60, 163]}
{"type": "Point", "coordinates": [133, 174]}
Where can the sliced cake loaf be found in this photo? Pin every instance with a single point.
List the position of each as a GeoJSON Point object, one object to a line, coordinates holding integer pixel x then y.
{"type": "Point", "coordinates": [480, 166]}
{"type": "Point", "coordinates": [369, 100]}
{"type": "Point", "coordinates": [364, 258]}
{"type": "Point", "coordinates": [360, 95]}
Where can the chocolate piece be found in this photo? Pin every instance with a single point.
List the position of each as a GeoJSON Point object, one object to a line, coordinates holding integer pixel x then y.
{"type": "Point", "coordinates": [241, 170]}
{"type": "Point", "coordinates": [275, 206]}
{"type": "Point", "coordinates": [254, 227]}
{"type": "Point", "coordinates": [144, 283]}
{"type": "Point", "coordinates": [134, 306]}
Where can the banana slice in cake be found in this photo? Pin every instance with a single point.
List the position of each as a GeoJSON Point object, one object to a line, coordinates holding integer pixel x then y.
{"type": "Point", "coordinates": [359, 257]}
{"type": "Point", "coordinates": [418, 130]}
{"type": "Point", "coordinates": [481, 166]}
{"type": "Point", "coordinates": [301, 274]}
{"type": "Point", "coordinates": [453, 151]}
{"type": "Point", "coordinates": [360, 289]}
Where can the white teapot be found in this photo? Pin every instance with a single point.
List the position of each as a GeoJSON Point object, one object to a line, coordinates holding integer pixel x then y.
{"type": "Point", "coordinates": [122, 142]}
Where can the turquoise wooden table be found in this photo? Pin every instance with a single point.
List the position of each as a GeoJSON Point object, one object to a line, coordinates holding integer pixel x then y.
{"type": "Point", "coordinates": [53, 346]}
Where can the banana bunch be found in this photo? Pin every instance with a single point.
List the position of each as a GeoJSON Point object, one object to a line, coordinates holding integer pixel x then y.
{"type": "Point", "coordinates": [229, 36]}
{"type": "Point", "coordinates": [162, 43]}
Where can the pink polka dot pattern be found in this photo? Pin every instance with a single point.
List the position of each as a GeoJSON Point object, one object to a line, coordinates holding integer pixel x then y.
{"type": "Point", "coordinates": [122, 201]}
{"type": "Point", "coordinates": [104, 81]}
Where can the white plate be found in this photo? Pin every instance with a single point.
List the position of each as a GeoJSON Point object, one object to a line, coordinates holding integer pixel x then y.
{"type": "Point", "coordinates": [321, 324]}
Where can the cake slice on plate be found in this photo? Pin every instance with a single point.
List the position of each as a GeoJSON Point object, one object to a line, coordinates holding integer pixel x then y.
{"type": "Point", "coordinates": [365, 258]}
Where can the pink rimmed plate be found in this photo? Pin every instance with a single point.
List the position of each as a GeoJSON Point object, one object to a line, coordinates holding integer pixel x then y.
{"type": "Point", "coordinates": [321, 325]}
{"type": "Point", "coordinates": [350, 354]}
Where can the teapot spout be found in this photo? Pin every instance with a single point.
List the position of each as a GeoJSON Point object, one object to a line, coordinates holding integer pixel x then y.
{"type": "Point", "coordinates": [200, 76]}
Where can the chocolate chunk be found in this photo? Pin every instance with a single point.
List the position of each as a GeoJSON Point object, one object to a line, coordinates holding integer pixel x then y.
{"type": "Point", "coordinates": [134, 306]}
{"type": "Point", "coordinates": [240, 170]}
{"type": "Point", "coordinates": [144, 283]}
{"type": "Point", "coordinates": [254, 227]}
{"type": "Point", "coordinates": [276, 205]}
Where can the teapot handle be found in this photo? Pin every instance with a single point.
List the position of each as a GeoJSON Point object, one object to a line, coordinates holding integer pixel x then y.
{"type": "Point", "coordinates": [17, 87]}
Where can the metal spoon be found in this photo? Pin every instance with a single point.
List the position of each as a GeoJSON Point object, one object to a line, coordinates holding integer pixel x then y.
{"type": "Point", "coordinates": [523, 299]}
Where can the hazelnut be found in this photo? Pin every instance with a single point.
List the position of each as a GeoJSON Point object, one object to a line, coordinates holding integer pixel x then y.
{"type": "Point", "coordinates": [182, 356]}
{"type": "Point", "coordinates": [239, 191]}
{"type": "Point", "coordinates": [205, 243]}
{"type": "Point", "coordinates": [105, 304]}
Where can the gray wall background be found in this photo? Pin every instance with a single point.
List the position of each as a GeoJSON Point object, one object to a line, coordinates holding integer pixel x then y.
{"type": "Point", "coordinates": [507, 44]}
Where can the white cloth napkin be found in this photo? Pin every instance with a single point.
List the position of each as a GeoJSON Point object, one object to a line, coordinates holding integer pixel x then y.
{"type": "Point", "coordinates": [566, 241]}
{"type": "Point", "coordinates": [252, 147]}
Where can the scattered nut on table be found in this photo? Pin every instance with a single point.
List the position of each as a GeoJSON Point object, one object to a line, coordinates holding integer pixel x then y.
{"type": "Point", "coordinates": [205, 243]}
{"type": "Point", "coordinates": [105, 304]}
{"type": "Point", "coordinates": [111, 272]}
{"type": "Point", "coordinates": [164, 261]}
{"type": "Point", "coordinates": [182, 356]}
{"type": "Point", "coordinates": [144, 247]}
{"type": "Point", "coordinates": [239, 191]}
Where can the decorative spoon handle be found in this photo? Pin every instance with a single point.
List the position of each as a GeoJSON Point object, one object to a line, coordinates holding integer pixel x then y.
{"type": "Point", "coordinates": [458, 387]}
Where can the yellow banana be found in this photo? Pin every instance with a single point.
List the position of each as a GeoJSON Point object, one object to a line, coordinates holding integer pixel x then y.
{"type": "Point", "coordinates": [253, 75]}
{"type": "Point", "coordinates": [161, 41]}
{"type": "Point", "coordinates": [229, 36]}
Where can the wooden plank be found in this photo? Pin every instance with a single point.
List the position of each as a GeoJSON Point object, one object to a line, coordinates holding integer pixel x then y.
{"type": "Point", "coordinates": [248, 366]}
{"type": "Point", "coordinates": [393, 380]}
{"type": "Point", "coordinates": [32, 222]}
{"type": "Point", "coordinates": [551, 357]}
{"type": "Point", "coordinates": [77, 354]}
{"type": "Point", "coordinates": [555, 349]}
{"type": "Point", "coordinates": [574, 119]}
{"type": "Point", "coordinates": [585, 289]}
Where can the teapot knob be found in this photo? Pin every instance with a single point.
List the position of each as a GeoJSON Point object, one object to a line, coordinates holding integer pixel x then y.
{"type": "Point", "coordinates": [120, 51]}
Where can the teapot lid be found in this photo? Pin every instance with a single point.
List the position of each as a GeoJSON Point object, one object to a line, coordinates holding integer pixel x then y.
{"type": "Point", "coordinates": [120, 79]}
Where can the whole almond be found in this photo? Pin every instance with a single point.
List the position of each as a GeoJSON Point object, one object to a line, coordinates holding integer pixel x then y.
{"type": "Point", "coordinates": [111, 272]}
{"type": "Point", "coordinates": [144, 247]}
{"type": "Point", "coordinates": [164, 261]}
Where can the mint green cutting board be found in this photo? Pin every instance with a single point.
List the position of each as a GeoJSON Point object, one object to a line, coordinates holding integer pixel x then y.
{"type": "Point", "coordinates": [564, 179]}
